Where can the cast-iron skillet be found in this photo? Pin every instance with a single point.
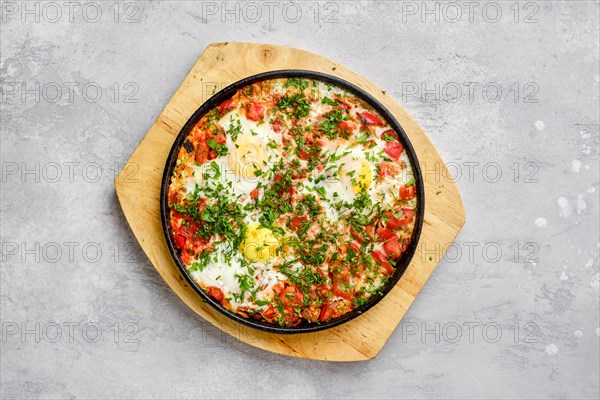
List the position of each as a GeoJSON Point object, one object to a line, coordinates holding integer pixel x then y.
{"type": "Point", "coordinates": [227, 93]}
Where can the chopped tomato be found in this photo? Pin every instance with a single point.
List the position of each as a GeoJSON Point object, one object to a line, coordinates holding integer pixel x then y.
{"type": "Point", "coordinates": [346, 127]}
{"type": "Point", "coordinates": [311, 313]}
{"type": "Point", "coordinates": [392, 248]}
{"type": "Point", "coordinates": [290, 317]}
{"type": "Point", "coordinates": [220, 138]}
{"type": "Point", "coordinates": [402, 218]}
{"type": "Point", "coordinates": [215, 293]}
{"type": "Point", "coordinates": [355, 247]}
{"type": "Point", "coordinates": [407, 192]}
{"type": "Point", "coordinates": [186, 257]}
{"type": "Point", "coordinates": [386, 169]}
{"type": "Point", "coordinates": [179, 241]}
{"type": "Point", "coordinates": [386, 267]}
{"type": "Point", "coordinates": [291, 296]}
{"type": "Point", "coordinates": [338, 291]}
{"type": "Point", "coordinates": [378, 255]}
{"type": "Point", "coordinates": [305, 155]}
{"type": "Point", "coordinates": [212, 154]}
{"type": "Point", "coordinates": [201, 155]}
{"type": "Point", "coordinates": [393, 149]}
{"type": "Point", "coordinates": [277, 126]}
{"type": "Point", "coordinates": [386, 234]}
{"type": "Point", "coordinates": [255, 111]}
{"type": "Point", "coordinates": [370, 119]}
{"type": "Point", "coordinates": [254, 193]}
{"type": "Point", "coordinates": [270, 313]}
{"type": "Point", "coordinates": [393, 223]}
{"type": "Point", "coordinates": [296, 222]}
{"type": "Point", "coordinates": [226, 106]}
{"type": "Point", "coordinates": [407, 216]}
{"type": "Point", "coordinates": [278, 288]}
{"type": "Point", "coordinates": [325, 313]}
{"type": "Point", "coordinates": [187, 231]}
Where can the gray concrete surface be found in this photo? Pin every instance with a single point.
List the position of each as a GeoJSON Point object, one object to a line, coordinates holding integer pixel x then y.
{"type": "Point", "coordinates": [510, 312]}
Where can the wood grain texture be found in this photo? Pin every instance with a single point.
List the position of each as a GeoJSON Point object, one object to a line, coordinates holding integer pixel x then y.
{"type": "Point", "coordinates": [220, 65]}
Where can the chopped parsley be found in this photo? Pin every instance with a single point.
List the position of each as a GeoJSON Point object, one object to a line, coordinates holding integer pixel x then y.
{"type": "Point", "coordinates": [202, 261]}
{"type": "Point", "coordinates": [296, 105]}
{"type": "Point", "coordinates": [327, 100]}
{"type": "Point", "coordinates": [234, 130]}
{"type": "Point", "coordinates": [330, 125]}
{"type": "Point", "coordinates": [298, 83]}
{"type": "Point", "coordinates": [221, 149]}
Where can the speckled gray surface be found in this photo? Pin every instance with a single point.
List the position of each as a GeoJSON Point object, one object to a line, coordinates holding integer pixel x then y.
{"type": "Point", "coordinates": [511, 312]}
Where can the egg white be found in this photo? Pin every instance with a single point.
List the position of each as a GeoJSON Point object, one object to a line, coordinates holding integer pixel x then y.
{"type": "Point", "coordinates": [255, 148]}
{"type": "Point", "coordinates": [222, 272]}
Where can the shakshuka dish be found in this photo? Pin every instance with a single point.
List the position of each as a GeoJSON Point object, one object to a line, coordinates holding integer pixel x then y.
{"type": "Point", "coordinates": [291, 202]}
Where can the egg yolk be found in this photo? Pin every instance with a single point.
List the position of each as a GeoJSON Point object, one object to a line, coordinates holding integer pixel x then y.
{"type": "Point", "coordinates": [259, 244]}
{"type": "Point", "coordinates": [245, 157]}
{"type": "Point", "coordinates": [359, 174]}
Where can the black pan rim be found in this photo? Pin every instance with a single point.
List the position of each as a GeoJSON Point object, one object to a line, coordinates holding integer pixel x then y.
{"type": "Point", "coordinates": [224, 94]}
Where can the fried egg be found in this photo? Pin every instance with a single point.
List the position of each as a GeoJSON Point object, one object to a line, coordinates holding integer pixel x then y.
{"type": "Point", "coordinates": [355, 172]}
{"type": "Point", "coordinates": [226, 273]}
{"type": "Point", "coordinates": [240, 170]}
{"type": "Point", "coordinates": [259, 244]}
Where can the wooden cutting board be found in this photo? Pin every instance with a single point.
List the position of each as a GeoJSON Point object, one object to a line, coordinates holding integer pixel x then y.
{"type": "Point", "coordinates": [138, 189]}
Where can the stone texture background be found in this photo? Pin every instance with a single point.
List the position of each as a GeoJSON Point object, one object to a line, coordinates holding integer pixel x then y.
{"type": "Point", "coordinates": [527, 109]}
